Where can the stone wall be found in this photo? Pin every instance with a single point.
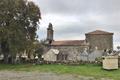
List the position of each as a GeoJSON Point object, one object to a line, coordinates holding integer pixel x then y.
{"type": "Point", "coordinates": [95, 54]}
{"type": "Point", "coordinates": [73, 52]}
{"type": "Point", "coordinates": [79, 53]}
{"type": "Point", "coordinates": [100, 41]}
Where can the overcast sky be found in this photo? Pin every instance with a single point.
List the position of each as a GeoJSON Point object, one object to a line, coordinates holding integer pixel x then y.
{"type": "Point", "coordinates": [71, 19]}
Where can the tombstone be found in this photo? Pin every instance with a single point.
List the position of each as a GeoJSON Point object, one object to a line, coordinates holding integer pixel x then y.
{"type": "Point", "coordinates": [95, 54]}
{"type": "Point", "coordinates": [105, 52]}
{"type": "Point", "coordinates": [110, 62]}
{"type": "Point", "coordinates": [110, 53]}
{"type": "Point", "coordinates": [51, 55]}
{"type": "Point", "coordinates": [84, 55]}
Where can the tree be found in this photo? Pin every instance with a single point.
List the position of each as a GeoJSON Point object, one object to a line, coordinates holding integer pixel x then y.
{"type": "Point", "coordinates": [18, 25]}
{"type": "Point", "coordinates": [39, 49]}
{"type": "Point", "coordinates": [36, 51]}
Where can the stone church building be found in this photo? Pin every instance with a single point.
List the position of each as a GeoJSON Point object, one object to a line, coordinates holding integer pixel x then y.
{"type": "Point", "coordinates": [75, 50]}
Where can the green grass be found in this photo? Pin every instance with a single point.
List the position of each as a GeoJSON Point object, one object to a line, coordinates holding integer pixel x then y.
{"type": "Point", "coordinates": [85, 70]}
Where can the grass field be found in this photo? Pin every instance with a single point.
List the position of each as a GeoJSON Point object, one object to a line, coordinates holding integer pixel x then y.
{"type": "Point", "coordinates": [85, 70]}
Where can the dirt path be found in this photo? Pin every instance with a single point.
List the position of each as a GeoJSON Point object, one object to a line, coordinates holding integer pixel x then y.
{"type": "Point", "coordinates": [13, 75]}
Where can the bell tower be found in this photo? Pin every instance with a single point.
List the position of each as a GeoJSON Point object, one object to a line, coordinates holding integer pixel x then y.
{"type": "Point", "coordinates": [50, 33]}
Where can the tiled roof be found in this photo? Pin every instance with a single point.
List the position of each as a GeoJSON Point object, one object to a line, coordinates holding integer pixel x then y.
{"type": "Point", "coordinates": [99, 32]}
{"type": "Point", "coordinates": [68, 43]}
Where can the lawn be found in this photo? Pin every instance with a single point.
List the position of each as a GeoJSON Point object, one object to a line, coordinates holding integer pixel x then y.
{"type": "Point", "coordinates": [85, 70]}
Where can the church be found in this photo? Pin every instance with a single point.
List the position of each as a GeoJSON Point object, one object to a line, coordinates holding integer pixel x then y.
{"type": "Point", "coordinates": [75, 50]}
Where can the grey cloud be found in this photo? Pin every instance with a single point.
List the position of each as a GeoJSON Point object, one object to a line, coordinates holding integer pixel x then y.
{"type": "Point", "coordinates": [79, 6]}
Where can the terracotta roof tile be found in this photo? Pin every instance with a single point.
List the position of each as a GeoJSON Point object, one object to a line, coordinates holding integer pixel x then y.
{"type": "Point", "coordinates": [99, 32]}
{"type": "Point", "coordinates": [68, 43]}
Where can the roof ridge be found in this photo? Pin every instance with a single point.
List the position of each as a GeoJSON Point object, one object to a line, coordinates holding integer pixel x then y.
{"type": "Point", "coordinates": [69, 42]}
{"type": "Point", "coordinates": [99, 32]}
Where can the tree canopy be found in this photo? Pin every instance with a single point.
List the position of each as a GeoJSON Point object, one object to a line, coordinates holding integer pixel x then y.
{"type": "Point", "coordinates": [18, 25]}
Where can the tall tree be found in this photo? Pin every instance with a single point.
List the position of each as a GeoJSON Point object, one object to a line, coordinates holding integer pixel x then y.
{"type": "Point", "coordinates": [18, 25]}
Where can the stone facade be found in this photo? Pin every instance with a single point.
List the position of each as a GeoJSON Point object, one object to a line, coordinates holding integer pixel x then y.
{"type": "Point", "coordinates": [102, 40]}
{"type": "Point", "coordinates": [72, 53]}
